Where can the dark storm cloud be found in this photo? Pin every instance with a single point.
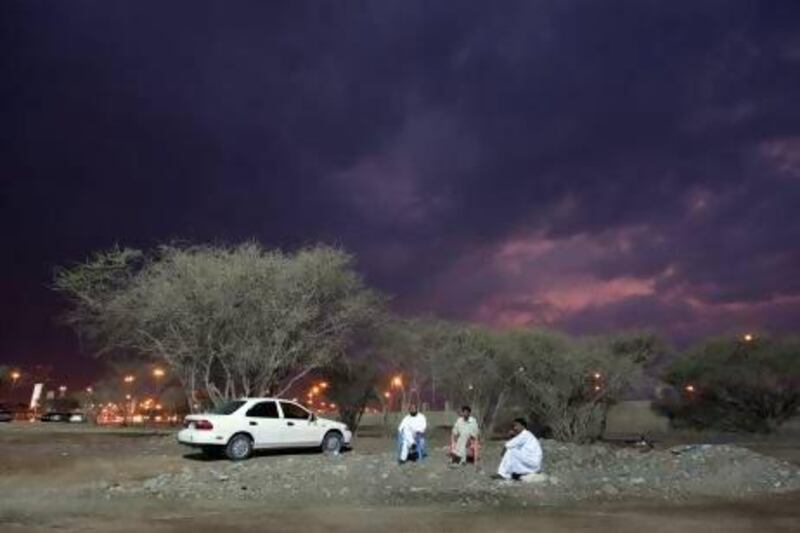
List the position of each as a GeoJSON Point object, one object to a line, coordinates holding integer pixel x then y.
{"type": "Point", "coordinates": [561, 162]}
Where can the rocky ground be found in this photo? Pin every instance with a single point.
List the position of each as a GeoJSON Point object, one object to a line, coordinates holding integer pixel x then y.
{"type": "Point", "coordinates": [89, 479]}
{"type": "Point", "coordinates": [572, 473]}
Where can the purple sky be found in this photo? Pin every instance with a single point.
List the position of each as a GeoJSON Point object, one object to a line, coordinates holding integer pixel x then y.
{"type": "Point", "coordinates": [584, 165]}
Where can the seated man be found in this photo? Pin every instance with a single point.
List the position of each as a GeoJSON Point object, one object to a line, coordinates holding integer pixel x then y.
{"type": "Point", "coordinates": [464, 429]}
{"type": "Point", "coordinates": [522, 456]}
{"type": "Point", "coordinates": [411, 433]}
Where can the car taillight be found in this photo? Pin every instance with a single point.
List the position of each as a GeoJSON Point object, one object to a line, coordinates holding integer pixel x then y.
{"type": "Point", "coordinates": [203, 424]}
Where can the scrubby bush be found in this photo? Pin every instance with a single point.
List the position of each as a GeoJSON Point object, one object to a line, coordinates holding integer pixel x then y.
{"type": "Point", "coordinates": [735, 385]}
{"type": "Point", "coordinates": [568, 384]}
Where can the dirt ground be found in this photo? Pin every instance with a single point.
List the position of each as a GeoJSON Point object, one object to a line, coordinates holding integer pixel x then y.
{"type": "Point", "coordinates": [45, 471]}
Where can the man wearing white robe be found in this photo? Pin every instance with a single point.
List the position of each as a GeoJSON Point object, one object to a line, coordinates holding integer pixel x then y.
{"type": "Point", "coordinates": [411, 431]}
{"type": "Point", "coordinates": [465, 428]}
{"type": "Point", "coordinates": [523, 454]}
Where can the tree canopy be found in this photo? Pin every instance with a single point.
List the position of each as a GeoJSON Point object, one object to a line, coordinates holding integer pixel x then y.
{"type": "Point", "coordinates": [233, 321]}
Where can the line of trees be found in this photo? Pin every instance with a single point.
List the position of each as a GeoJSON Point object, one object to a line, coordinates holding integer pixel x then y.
{"type": "Point", "coordinates": [247, 321]}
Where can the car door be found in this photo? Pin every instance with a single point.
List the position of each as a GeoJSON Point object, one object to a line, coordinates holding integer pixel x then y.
{"type": "Point", "coordinates": [299, 428]}
{"type": "Point", "coordinates": [265, 424]}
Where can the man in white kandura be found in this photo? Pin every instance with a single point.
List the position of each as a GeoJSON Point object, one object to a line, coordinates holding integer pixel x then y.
{"type": "Point", "coordinates": [465, 428]}
{"type": "Point", "coordinates": [411, 432]}
{"type": "Point", "coordinates": [523, 454]}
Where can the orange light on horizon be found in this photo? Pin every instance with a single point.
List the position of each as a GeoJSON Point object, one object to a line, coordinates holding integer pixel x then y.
{"type": "Point", "coordinates": [397, 381]}
{"type": "Point", "coordinates": [324, 384]}
{"type": "Point", "coordinates": [158, 373]}
{"type": "Point", "coordinates": [15, 375]}
{"type": "Point", "coordinates": [315, 389]}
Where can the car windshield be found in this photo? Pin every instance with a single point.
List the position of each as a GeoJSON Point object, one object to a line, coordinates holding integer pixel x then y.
{"type": "Point", "coordinates": [227, 408]}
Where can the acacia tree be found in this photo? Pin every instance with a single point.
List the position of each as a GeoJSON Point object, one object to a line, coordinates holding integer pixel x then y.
{"type": "Point", "coordinates": [353, 386]}
{"type": "Point", "coordinates": [569, 384]}
{"type": "Point", "coordinates": [232, 321]}
{"type": "Point", "coordinates": [735, 385]}
{"type": "Point", "coordinates": [463, 363]}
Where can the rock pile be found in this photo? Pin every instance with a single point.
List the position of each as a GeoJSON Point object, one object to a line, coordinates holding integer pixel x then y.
{"type": "Point", "coordinates": [571, 473]}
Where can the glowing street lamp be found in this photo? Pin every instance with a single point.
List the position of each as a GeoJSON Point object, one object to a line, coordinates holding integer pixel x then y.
{"type": "Point", "coordinates": [62, 389]}
{"type": "Point", "coordinates": [129, 379]}
{"type": "Point", "coordinates": [597, 375]}
{"type": "Point", "coordinates": [748, 337]}
{"type": "Point", "coordinates": [397, 382]}
{"type": "Point", "coordinates": [158, 373]}
{"type": "Point", "coordinates": [323, 384]}
{"type": "Point", "coordinates": [15, 375]}
{"type": "Point", "coordinates": [89, 390]}
{"type": "Point", "coordinates": [315, 389]}
{"type": "Point", "coordinates": [689, 388]}
{"type": "Point", "coordinates": [387, 395]}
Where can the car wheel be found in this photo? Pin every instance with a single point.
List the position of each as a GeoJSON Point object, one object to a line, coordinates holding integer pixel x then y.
{"type": "Point", "coordinates": [239, 448]}
{"type": "Point", "coordinates": [332, 443]}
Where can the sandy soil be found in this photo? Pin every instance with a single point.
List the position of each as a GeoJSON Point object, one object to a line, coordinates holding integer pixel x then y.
{"type": "Point", "coordinates": [43, 470]}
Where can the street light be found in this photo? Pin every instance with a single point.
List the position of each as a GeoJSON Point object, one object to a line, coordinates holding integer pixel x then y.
{"type": "Point", "coordinates": [397, 382]}
{"type": "Point", "coordinates": [129, 379]}
{"type": "Point", "coordinates": [158, 373]}
{"type": "Point", "coordinates": [15, 375]}
{"type": "Point", "coordinates": [748, 337]}
{"type": "Point", "coordinates": [89, 390]}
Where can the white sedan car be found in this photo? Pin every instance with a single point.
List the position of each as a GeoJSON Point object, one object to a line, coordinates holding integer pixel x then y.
{"type": "Point", "coordinates": [241, 426]}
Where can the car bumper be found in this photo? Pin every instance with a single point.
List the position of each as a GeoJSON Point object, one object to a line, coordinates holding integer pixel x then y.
{"type": "Point", "coordinates": [192, 437]}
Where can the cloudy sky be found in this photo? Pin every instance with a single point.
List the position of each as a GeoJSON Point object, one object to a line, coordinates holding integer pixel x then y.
{"type": "Point", "coordinates": [582, 165]}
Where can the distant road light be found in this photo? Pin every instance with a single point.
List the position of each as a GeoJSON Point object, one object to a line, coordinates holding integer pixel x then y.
{"type": "Point", "coordinates": [397, 381]}
{"type": "Point", "coordinates": [129, 379]}
{"type": "Point", "coordinates": [15, 375]}
{"type": "Point", "coordinates": [748, 337]}
{"type": "Point", "coordinates": [62, 388]}
{"type": "Point", "coordinates": [89, 390]}
{"type": "Point", "coordinates": [158, 372]}
{"type": "Point", "coordinates": [689, 388]}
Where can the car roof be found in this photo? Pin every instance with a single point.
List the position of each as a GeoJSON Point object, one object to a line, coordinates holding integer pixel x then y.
{"type": "Point", "coordinates": [268, 399]}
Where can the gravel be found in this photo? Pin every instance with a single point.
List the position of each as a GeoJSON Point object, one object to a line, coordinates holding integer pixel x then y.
{"type": "Point", "coordinates": [571, 473]}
